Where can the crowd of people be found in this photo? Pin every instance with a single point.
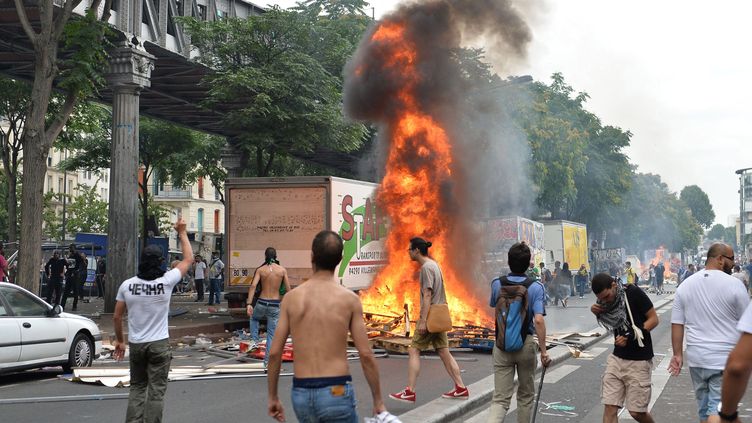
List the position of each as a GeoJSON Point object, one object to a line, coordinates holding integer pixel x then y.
{"type": "Point", "coordinates": [710, 309]}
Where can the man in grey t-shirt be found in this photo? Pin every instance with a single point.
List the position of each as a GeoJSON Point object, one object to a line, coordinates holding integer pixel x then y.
{"type": "Point", "coordinates": [431, 292]}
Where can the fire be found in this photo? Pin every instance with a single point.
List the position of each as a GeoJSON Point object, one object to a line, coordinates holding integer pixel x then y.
{"type": "Point", "coordinates": [660, 255]}
{"type": "Point", "coordinates": [419, 167]}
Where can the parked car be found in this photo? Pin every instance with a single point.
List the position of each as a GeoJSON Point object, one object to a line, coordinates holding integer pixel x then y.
{"type": "Point", "coordinates": [34, 334]}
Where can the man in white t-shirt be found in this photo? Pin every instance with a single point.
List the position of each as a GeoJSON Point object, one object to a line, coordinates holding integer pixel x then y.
{"type": "Point", "coordinates": [146, 297]}
{"type": "Point", "coordinates": [708, 305]}
{"type": "Point", "coordinates": [736, 374]}
{"type": "Point", "coordinates": [199, 275]}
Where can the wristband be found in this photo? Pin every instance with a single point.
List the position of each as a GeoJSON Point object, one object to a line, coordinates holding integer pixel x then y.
{"type": "Point", "coordinates": [727, 417]}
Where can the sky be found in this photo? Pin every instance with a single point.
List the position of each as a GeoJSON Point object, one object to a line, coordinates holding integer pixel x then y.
{"type": "Point", "coordinates": [674, 73]}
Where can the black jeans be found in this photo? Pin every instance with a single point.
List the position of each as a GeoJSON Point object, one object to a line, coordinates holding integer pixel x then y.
{"type": "Point", "coordinates": [72, 286]}
{"type": "Point", "coordinates": [100, 285]}
{"type": "Point", "coordinates": [199, 289]}
{"type": "Point", "coordinates": [54, 284]}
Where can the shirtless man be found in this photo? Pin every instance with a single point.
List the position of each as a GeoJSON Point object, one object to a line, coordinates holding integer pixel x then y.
{"type": "Point", "coordinates": [272, 276]}
{"type": "Point", "coordinates": [319, 313]}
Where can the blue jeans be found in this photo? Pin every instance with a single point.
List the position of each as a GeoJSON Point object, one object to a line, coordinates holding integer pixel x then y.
{"type": "Point", "coordinates": [215, 288]}
{"type": "Point", "coordinates": [269, 310]}
{"type": "Point", "coordinates": [707, 384]}
{"type": "Point", "coordinates": [581, 283]}
{"type": "Point", "coordinates": [331, 403]}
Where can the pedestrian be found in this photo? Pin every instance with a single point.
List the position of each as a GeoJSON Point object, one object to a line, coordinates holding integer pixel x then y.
{"type": "Point", "coordinates": [199, 273]}
{"type": "Point", "coordinates": [272, 277]}
{"type": "Point", "coordinates": [431, 293]}
{"type": "Point", "coordinates": [630, 315]}
{"type": "Point", "coordinates": [736, 373]}
{"type": "Point", "coordinates": [582, 277]}
{"type": "Point", "coordinates": [522, 360]}
{"type": "Point", "coordinates": [146, 298]}
{"type": "Point", "coordinates": [319, 314]}
{"type": "Point", "coordinates": [651, 277]}
{"type": "Point", "coordinates": [533, 272]}
{"type": "Point", "coordinates": [3, 265]}
{"type": "Point", "coordinates": [707, 306]}
{"type": "Point", "coordinates": [555, 284]}
{"type": "Point", "coordinates": [563, 280]}
{"type": "Point", "coordinates": [101, 272]}
{"type": "Point", "coordinates": [547, 279]}
{"type": "Point", "coordinates": [630, 273]}
{"type": "Point", "coordinates": [73, 277]}
{"type": "Point", "coordinates": [741, 275]}
{"type": "Point", "coordinates": [215, 278]}
{"type": "Point", "coordinates": [660, 274]}
{"type": "Point", "coordinates": [55, 272]}
{"type": "Point", "coordinates": [748, 268]}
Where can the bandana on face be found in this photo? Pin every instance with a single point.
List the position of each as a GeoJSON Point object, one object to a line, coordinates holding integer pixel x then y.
{"type": "Point", "coordinates": [615, 315]}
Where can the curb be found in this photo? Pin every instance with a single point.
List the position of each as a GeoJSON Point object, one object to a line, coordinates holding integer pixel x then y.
{"type": "Point", "coordinates": [482, 391]}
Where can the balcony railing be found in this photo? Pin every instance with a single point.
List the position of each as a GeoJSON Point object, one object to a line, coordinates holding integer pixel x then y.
{"type": "Point", "coordinates": [169, 191]}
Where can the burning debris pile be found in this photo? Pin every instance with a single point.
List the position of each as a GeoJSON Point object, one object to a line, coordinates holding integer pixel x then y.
{"type": "Point", "coordinates": [405, 77]}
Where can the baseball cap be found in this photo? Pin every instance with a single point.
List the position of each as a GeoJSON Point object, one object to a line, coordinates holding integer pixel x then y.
{"type": "Point", "coordinates": [153, 251]}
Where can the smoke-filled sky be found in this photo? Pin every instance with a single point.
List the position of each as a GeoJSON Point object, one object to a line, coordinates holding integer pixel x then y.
{"type": "Point", "coordinates": [675, 73]}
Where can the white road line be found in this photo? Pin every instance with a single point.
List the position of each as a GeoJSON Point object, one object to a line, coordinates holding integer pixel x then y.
{"type": "Point", "coordinates": [659, 378]}
{"type": "Point", "coordinates": [559, 373]}
{"type": "Point", "coordinates": [592, 353]}
{"type": "Point", "coordinates": [482, 417]}
{"type": "Point", "coordinates": [661, 311]}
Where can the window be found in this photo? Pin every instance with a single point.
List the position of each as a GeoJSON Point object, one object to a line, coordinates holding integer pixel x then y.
{"type": "Point", "coordinates": [49, 183]}
{"type": "Point", "coordinates": [201, 12]}
{"type": "Point", "coordinates": [59, 185]}
{"type": "Point", "coordinates": [70, 184]}
{"type": "Point", "coordinates": [22, 303]}
{"type": "Point", "coordinates": [201, 220]}
{"type": "Point", "coordinates": [49, 161]}
{"type": "Point", "coordinates": [216, 221]}
{"type": "Point", "coordinates": [216, 193]}
{"type": "Point", "coordinates": [200, 187]}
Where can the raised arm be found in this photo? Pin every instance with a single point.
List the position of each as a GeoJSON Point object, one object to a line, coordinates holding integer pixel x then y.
{"type": "Point", "coordinates": [185, 245]}
{"type": "Point", "coordinates": [367, 361]}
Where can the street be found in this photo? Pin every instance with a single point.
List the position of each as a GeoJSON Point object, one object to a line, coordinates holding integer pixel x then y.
{"type": "Point", "coordinates": [574, 383]}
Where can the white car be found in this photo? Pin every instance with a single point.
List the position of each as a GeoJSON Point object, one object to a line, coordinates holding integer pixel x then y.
{"type": "Point", "coordinates": [34, 334]}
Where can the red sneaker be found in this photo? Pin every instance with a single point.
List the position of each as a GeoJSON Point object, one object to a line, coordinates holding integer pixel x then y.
{"type": "Point", "coordinates": [406, 395]}
{"type": "Point", "coordinates": [457, 392]}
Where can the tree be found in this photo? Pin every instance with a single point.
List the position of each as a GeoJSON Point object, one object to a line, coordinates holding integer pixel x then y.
{"type": "Point", "coordinates": [79, 72]}
{"type": "Point", "coordinates": [50, 219]}
{"type": "Point", "coordinates": [14, 103]}
{"type": "Point", "coordinates": [87, 211]}
{"type": "Point", "coordinates": [697, 201]}
{"type": "Point", "coordinates": [729, 235]}
{"type": "Point", "coordinates": [277, 72]}
{"type": "Point", "coordinates": [167, 152]}
{"type": "Point", "coordinates": [716, 233]}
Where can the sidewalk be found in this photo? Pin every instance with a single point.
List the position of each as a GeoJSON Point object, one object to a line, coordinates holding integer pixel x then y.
{"type": "Point", "coordinates": [187, 318]}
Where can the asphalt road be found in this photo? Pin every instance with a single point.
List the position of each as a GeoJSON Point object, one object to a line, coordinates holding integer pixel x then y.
{"type": "Point", "coordinates": [239, 400]}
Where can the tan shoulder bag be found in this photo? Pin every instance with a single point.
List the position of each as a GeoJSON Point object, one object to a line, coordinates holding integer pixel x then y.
{"type": "Point", "coordinates": [438, 319]}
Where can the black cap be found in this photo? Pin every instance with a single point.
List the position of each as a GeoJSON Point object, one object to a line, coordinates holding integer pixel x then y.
{"type": "Point", "coordinates": [153, 250]}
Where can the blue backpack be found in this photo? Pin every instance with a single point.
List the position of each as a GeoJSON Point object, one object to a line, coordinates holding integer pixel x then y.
{"type": "Point", "coordinates": [512, 320]}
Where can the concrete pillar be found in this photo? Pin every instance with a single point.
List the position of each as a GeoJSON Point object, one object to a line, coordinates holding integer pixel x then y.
{"type": "Point", "coordinates": [130, 70]}
{"type": "Point", "coordinates": [232, 161]}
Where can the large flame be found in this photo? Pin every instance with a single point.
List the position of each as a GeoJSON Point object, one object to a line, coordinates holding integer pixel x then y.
{"type": "Point", "coordinates": [419, 166]}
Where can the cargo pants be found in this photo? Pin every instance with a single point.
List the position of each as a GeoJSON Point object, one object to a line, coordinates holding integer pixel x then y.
{"type": "Point", "coordinates": [149, 364]}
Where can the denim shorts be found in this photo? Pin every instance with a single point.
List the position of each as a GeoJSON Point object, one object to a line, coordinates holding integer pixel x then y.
{"type": "Point", "coordinates": [707, 384]}
{"type": "Point", "coordinates": [324, 400]}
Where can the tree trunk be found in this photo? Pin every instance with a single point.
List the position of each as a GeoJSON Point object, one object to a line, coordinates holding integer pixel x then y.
{"type": "Point", "coordinates": [36, 148]}
{"type": "Point", "coordinates": [13, 207]}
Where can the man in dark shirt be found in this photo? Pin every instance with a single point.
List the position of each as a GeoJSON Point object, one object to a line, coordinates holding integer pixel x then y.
{"type": "Point", "coordinates": [629, 368]}
{"type": "Point", "coordinates": [73, 276]}
{"type": "Point", "coordinates": [55, 271]}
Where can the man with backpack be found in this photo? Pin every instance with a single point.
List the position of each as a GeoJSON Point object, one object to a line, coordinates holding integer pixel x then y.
{"type": "Point", "coordinates": [629, 313]}
{"type": "Point", "coordinates": [519, 305]}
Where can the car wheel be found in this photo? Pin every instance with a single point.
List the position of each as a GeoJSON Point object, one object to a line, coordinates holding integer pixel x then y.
{"type": "Point", "coordinates": [81, 353]}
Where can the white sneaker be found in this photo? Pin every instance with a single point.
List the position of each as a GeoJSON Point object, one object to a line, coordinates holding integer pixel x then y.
{"type": "Point", "coordinates": [383, 417]}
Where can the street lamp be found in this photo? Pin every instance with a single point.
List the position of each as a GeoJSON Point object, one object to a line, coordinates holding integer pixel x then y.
{"type": "Point", "coordinates": [742, 218]}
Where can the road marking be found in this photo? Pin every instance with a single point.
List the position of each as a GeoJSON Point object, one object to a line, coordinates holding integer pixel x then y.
{"type": "Point", "coordinates": [592, 353]}
{"type": "Point", "coordinates": [659, 379]}
{"type": "Point", "coordinates": [662, 310]}
{"type": "Point", "coordinates": [559, 373]}
{"type": "Point", "coordinates": [482, 417]}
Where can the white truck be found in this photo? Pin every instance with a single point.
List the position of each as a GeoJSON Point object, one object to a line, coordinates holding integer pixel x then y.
{"type": "Point", "coordinates": [566, 242]}
{"type": "Point", "coordinates": [286, 213]}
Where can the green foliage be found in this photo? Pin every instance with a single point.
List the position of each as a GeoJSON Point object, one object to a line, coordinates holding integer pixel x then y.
{"type": "Point", "coordinates": [336, 8]}
{"type": "Point", "coordinates": [160, 212]}
{"type": "Point", "coordinates": [729, 235]}
{"type": "Point", "coordinates": [86, 41]}
{"type": "Point", "coordinates": [52, 222]}
{"type": "Point", "coordinates": [281, 74]}
{"type": "Point", "coordinates": [87, 212]}
{"type": "Point", "coordinates": [716, 233]}
{"type": "Point", "coordinates": [699, 203]}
